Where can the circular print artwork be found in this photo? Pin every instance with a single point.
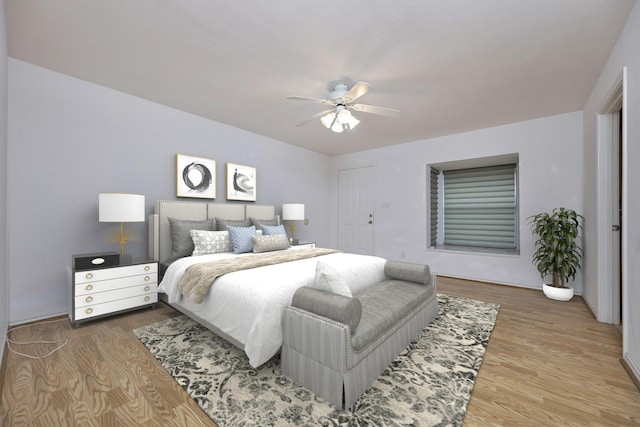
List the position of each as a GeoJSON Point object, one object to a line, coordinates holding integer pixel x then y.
{"type": "Point", "coordinates": [197, 177]}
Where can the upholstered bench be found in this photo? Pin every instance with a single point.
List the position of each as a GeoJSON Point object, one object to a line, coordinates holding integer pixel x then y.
{"type": "Point", "coordinates": [338, 346]}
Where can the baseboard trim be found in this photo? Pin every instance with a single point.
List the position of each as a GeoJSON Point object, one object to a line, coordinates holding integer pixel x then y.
{"type": "Point", "coordinates": [628, 366]}
{"type": "Point", "coordinates": [3, 366]}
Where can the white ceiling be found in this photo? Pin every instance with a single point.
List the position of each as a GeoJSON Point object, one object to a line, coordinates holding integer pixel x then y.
{"type": "Point", "coordinates": [448, 65]}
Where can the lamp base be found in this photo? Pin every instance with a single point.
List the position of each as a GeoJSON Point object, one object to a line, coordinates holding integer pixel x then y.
{"type": "Point", "coordinates": [126, 259]}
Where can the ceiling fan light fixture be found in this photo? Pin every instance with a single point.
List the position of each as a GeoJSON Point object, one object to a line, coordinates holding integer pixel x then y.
{"type": "Point", "coordinates": [340, 120]}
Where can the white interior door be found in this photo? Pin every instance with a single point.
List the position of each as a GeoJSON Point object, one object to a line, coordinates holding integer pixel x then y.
{"type": "Point", "coordinates": [611, 217]}
{"type": "Point", "coordinates": [355, 210]}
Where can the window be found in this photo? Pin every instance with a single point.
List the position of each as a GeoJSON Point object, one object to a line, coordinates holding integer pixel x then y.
{"type": "Point", "coordinates": [474, 208]}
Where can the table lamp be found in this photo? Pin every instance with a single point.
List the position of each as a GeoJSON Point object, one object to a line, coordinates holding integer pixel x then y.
{"type": "Point", "coordinates": [121, 207]}
{"type": "Point", "coordinates": [293, 212]}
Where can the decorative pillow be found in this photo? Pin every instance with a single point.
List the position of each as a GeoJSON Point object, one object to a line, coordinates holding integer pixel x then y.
{"type": "Point", "coordinates": [181, 242]}
{"type": "Point", "coordinates": [241, 238]}
{"type": "Point", "coordinates": [223, 223]}
{"type": "Point", "coordinates": [269, 230]}
{"type": "Point", "coordinates": [408, 271]}
{"type": "Point", "coordinates": [274, 242]}
{"type": "Point", "coordinates": [260, 222]}
{"type": "Point", "coordinates": [210, 242]}
{"type": "Point", "coordinates": [329, 279]}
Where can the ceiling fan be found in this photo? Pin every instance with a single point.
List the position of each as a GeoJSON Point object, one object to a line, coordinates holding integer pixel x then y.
{"type": "Point", "coordinates": [338, 118]}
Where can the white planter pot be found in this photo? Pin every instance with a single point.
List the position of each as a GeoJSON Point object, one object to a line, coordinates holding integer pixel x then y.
{"type": "Point", "coordinates": [558, 294]}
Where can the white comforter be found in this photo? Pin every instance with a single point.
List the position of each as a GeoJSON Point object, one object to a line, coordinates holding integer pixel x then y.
{"type": "Point", "coordinates": [248, 305]}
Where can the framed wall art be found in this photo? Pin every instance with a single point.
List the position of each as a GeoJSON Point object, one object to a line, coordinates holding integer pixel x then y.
{"type": "Point", "coordinates": [195, 177]}
{"type": "Point", "coordinates": [241, 182]}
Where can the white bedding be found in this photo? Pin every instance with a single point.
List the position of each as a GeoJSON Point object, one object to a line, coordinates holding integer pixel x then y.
{"type": "Point", "coordinates": [248, 305]}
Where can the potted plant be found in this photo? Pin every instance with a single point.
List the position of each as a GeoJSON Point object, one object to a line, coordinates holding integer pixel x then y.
{"type": "Point", "coordinates": [557, 250]}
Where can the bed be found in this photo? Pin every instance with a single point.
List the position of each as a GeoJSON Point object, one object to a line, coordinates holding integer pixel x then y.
{"type": "Point", "coordinates": [245, 307]}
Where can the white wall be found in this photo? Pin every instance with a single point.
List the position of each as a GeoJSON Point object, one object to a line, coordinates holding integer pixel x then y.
{"type": "Point", "coordinates": [70, 140]}
{"type": "Point", "coordinates": [625, 53]}
{"type": "Point", "coordinates": [4, 251]}
{"type": "Point", "coordinates": [550, 154]}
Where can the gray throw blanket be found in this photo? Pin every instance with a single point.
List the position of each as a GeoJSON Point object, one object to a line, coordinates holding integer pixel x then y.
{"type": "Point", "coordinates": [198, 278]}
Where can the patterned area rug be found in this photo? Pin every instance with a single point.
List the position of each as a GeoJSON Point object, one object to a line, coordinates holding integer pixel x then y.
{"type": "Point", "coordinates": [428, 384]}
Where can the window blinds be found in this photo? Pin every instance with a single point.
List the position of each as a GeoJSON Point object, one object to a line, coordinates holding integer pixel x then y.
{"type": "Point", "coordinates": [480, 207]}
{"type": "Point", "coordinates": [434, 206]}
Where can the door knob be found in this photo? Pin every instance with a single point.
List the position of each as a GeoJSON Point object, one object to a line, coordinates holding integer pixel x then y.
{"type": "Point", "coordinates": [615, 227]}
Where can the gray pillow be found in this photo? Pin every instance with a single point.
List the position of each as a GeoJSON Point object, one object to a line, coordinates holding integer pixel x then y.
{"type": "Point", "coordinates": [181, 242]}
{"type": "Point", "coordinates": [260, 222]}
{"type": "Point", "coordinates": [407, 271]}
{"type": "Point", "coordinates": [222, 223]}
{"type": "Point", "coordinates": [342, 309]}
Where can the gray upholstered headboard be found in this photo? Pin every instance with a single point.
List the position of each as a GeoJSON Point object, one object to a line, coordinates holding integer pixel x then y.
{"type": "Point", "coordinates": [160, 237]}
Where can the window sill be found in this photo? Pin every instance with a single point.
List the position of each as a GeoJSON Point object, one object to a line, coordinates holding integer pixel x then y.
{"type": "Point", "coordinates": [474, 250]}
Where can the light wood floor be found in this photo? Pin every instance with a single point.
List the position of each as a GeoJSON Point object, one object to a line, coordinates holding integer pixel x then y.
{"type": "Point", "coordinates": [548, 364]}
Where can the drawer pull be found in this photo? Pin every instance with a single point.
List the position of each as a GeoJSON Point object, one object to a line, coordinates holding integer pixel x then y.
{"type": "Point", "coordinates": [147, 278]}
{"type": "Point", "coordinates": [89, 276]}
{"type": "Point", "coordinates": [147, 267]}
{"type": "Point", "coordinates": [89, 287]}
{"type": "Point", "coordinates": [88, 299]}
{"type": "Point", "coordinates": [89, 310]}
{"type": "Point", "coordinates": [147, 298]}
{"type": "Point", "coordinates": [146, 288]}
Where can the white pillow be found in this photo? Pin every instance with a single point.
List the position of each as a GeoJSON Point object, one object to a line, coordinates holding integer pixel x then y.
{"type": "Point", "coordinates": [329, 279]}
{"type": "Point", "coordinates": [210, 242]}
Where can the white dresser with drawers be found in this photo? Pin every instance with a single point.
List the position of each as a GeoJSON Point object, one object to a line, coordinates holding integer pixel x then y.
{"type": "Point", "coordinates": [105, 291]}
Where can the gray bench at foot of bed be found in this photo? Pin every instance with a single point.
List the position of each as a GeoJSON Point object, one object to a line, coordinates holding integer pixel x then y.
{"type": "Point", "coordinates": [323, 351]}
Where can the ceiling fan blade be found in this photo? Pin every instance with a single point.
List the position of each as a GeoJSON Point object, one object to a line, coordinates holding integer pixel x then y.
{"type": "Point", "coordinates": [382, 111]}
{"type": "Point", "coordinates": [357, 91]}
{"type": "Point", "coordinates": [314, 117]}
{"type": "Point", "coordinates": [306, 98]}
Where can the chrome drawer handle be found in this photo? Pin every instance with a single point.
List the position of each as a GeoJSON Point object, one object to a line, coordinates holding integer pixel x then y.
{"type": "Point", "coordinates": [147, 298]}
{"type": "Point", "coordinates": [147, 278]}
{"type": "Point", "coordinates": [89, 276]}
{"type": "Point", "coordinates": [89, 310]}
{"type": "Point", "coordinates": [89, 287]}
{"type": "Point", "coordinates": [88, 299]}
{"type": "Point", "coordinates": [147, 267]}
{"type": "Point", "coordinates": [146, 288]}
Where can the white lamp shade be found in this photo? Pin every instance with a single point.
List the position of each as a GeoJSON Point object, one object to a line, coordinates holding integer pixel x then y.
{"type": "Point", "coordinates": [337, 127]}
{"type": "Point", "coordinates": [344, 116]}
{"type": "Point", "coordinates": [121, 207]}
{"type": "Point", "coordinates": [353, 122]}
{"type": "Point", "coordinates": [327, 119]}
{"type": "Point", "coordinates": [293, 211]}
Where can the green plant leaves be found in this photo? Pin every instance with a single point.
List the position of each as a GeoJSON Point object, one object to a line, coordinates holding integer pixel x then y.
{"type": "Point", "coordinates": [557, 251]}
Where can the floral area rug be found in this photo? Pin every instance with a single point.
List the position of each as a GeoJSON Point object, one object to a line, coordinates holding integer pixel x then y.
{"type": "Point", "coordinates": [428, 384]}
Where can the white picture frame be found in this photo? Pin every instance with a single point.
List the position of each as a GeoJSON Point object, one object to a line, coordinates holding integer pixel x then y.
{"type": "Point", "coordinates": [241, 182]}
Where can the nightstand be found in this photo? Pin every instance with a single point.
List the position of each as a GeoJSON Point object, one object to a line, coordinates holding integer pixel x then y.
{"type": "Point", "coordinates": [99, 292]}
{"type": "Point", "coordinates": [303, 245]}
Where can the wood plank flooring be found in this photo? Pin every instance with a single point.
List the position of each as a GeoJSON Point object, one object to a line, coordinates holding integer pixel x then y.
{"type": "Point", "coordinates": [548, 364]}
